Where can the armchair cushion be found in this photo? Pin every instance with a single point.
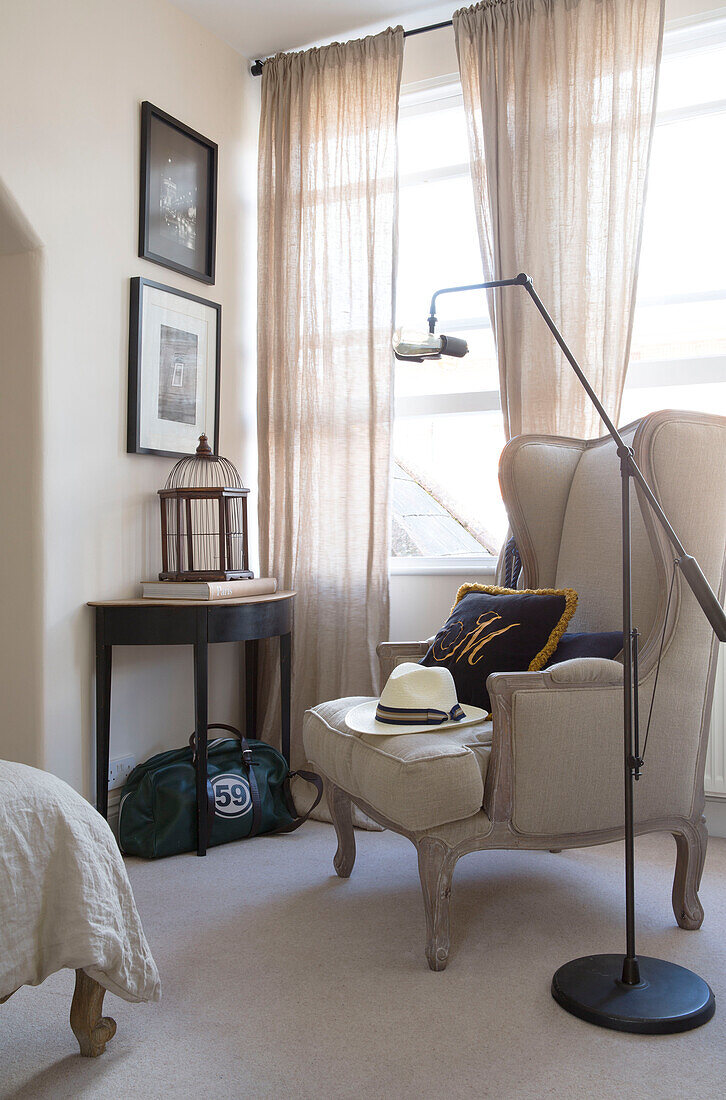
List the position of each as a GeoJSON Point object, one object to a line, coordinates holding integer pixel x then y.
{"type": "Point", "coordinates": [417, 780]}
{"type": "Point", "coordinates": [493, 629]}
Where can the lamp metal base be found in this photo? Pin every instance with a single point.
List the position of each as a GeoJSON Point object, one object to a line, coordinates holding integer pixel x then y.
{"type": "Point", "coordinates": [667, 999]}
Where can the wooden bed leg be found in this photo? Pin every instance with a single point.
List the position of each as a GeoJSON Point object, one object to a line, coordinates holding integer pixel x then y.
{"type": "Point", "coordinates": [91, 1029]}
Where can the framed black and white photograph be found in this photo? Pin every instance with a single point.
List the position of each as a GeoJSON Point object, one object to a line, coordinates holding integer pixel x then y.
{"type": "Point", "coordinates": [178, 203]}
{"type": "Point", "coordinates": [174, 352]}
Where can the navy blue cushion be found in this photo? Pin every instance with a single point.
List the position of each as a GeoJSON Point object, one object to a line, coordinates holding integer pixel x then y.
{"type": "Point", "coordinates": [494, 629]}
{"type": "Point", "coordinates": [606, 643]}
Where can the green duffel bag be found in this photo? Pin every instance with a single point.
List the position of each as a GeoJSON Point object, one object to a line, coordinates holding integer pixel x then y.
{"type": "Point", "coordinates": [248, 792]}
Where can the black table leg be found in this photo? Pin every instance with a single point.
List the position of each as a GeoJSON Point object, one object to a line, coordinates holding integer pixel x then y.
{"type": "Point", "coordinates": [285, 682]}
{"type": "Point", "coordinates": [251, 658]}
{"type": "Point", "coordinates": [103, 725]}
{"type": "Point", "coordinates": [201, 688]}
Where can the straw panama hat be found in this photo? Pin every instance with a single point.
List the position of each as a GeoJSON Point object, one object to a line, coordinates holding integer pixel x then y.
{"type": "Point", "coordinates": [416, 699]}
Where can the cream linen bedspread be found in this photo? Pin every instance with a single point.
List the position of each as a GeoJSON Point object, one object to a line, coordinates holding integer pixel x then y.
{"type": "Point", "coordinates": [65, 897]}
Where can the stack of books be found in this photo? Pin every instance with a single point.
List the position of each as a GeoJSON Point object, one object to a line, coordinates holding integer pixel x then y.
{"type": "Point", "coordinates": [208, 590]}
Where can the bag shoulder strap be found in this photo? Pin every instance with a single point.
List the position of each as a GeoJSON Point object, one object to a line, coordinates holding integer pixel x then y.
{"type": "Point", "coordinates": [309, 777]}
{"type": "Point", "coordinates": [254, 788]}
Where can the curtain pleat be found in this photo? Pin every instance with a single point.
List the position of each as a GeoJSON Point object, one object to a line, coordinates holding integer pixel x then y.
{"type": "Point", "coordinates": [327, 220]}
{"type": "Point", "coordinates": [560, 103]}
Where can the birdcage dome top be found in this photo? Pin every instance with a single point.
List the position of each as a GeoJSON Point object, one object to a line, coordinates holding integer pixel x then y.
{"type": "Point", "coordinates": [203, 470]}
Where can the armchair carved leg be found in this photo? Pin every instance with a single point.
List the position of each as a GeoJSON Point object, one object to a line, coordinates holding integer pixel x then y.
{"type": "Point", "coordinates": [340, 808]}
{"type": "Point", "coordinates": [436, 867]}
{"type": "Point", "coordinates": [91, 1029]}
{"type": "Point", "coordinates": [690, 858]}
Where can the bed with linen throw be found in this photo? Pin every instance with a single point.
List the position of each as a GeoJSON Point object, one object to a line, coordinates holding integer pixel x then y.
{"type": "Point", "coordinates": [66, 901]}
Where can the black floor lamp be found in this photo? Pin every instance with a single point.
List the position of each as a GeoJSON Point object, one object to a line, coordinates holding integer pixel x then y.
{"type": "Point", "coordinates": [627, 993]}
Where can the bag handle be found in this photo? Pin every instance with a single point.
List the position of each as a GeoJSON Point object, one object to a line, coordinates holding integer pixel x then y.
{"type": "Point", "coordinates": [254, 788]}
{"type": "Point", "coordinates": [309, 777]}
{"type": "Point", "coordinates": [216, 726]}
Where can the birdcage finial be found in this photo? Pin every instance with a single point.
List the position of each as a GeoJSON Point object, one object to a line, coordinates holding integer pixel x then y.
{"type": "Point", "coordinates": [204, 450]}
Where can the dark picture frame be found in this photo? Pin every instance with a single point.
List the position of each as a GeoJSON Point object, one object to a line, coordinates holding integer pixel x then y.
{"type": "Point", "coordinates": [178, 196]}
{"type": "Point", "coordinates": [175, 342]}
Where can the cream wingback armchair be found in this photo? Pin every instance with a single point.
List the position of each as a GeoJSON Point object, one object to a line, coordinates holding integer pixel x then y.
{"type": "Point", "coordinates": [547, 772]}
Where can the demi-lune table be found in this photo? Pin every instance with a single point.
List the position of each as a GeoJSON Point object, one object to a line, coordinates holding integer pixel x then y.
{"type": "Point", "coordinates": [198, 623]}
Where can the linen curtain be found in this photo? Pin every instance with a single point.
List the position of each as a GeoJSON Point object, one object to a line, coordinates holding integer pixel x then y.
{"type": "Point", "coordinates": [560, 104]}
{"type": "Point", "coordinates": [327, 249]}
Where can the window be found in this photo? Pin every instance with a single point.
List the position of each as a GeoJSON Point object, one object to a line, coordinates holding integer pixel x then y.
{"type": "Point", "coordinates": [678, 352]}
{"type": "Point", "coordinates": [448, 430]}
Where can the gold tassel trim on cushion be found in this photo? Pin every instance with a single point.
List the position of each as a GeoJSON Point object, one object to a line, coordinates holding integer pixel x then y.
{"type": "Point", "coordinates": [540, 660]}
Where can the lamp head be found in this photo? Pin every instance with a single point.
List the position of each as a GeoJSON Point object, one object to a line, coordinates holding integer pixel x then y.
{"type": "Point", "coordinates": [413, 346]}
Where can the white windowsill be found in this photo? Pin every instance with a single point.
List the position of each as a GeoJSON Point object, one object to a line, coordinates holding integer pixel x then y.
{"type": "Point", "coordinates": [431, 567]}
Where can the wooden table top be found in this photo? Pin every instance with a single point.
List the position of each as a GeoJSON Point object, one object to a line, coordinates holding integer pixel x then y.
{"type": "Point", "coordinates": [270, 597]}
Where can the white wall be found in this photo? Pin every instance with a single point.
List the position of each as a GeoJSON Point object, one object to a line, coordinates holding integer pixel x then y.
{"type": "Point", "coordinates": [429, 55]}
{"type": "Point", "coordinates": [72, 77]}
{"type": "Point", "coordinates": [421, 603]}
{"type": "Point", "coordinates": [21, 501]}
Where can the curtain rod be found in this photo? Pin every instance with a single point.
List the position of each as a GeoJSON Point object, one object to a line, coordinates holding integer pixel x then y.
{"type": "Point", "coordinates": [256, 68]}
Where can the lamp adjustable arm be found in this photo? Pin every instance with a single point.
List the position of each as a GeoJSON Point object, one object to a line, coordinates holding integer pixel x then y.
{"type": "Point", "coordinates": [470, 286]}
{"type": "Point", "coordinates": [689, 567]}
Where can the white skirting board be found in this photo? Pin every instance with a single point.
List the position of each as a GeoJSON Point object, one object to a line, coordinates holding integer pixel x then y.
{"type": "Point", "coordinates": [714, 781]}
{"type": "Point", "coordinates": [114, 801]}
{"type": "Point", "coordinates": [715, 814]}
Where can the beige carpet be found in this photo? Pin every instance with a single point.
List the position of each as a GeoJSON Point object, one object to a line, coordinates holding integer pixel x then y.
{"type": "Point", "coordinates": [282, 980]}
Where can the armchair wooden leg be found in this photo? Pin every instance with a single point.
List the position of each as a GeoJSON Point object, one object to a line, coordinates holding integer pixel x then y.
{"type": "Point", "coordinates": [91, 1029]}
{"type": "Point", "coordinates": [690, 858]}
{"type": "Point", "coordinates": [340, 808]}
{"type": "Point", "coordinates": [436, 867]}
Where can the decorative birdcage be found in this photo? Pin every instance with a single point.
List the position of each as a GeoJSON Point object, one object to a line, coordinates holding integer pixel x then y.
{"type": "Point", "coordinates": [204, 520]}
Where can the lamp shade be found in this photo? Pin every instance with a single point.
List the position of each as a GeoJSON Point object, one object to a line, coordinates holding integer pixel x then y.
{"type": "Point", "coordinates": [415, 346]}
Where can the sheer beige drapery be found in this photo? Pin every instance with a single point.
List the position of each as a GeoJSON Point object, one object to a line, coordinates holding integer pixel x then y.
{"type": "Point", "coordinates": [327, 247]}
{"type": "Point", "coordinates": [560, 103]}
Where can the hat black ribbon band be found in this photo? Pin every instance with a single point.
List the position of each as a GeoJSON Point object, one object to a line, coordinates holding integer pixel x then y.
{"type": "Point", "coordinates": [409, 716]}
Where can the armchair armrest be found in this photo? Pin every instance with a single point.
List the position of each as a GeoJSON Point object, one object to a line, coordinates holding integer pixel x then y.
{"type": "Point", "coordinates": [391, 654]}
{"type": "Point", "coordinates": [587, 670]}
{"type": "Point", "coordinates": [580, 672]}
{"type": "Point", "coordinates": [550, 728]}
